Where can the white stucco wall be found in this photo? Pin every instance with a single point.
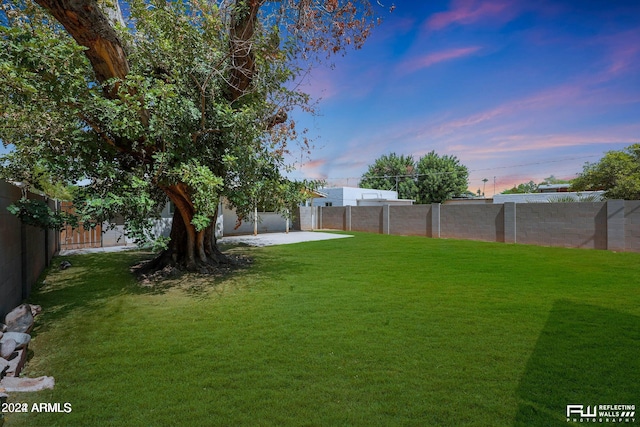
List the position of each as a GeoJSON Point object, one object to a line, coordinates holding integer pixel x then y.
{"type": "Point", "coordinates": [349, 196]}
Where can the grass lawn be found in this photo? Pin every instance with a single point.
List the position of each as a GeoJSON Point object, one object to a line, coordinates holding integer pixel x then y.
{"type": "Point", "coordinates": [371, 330]}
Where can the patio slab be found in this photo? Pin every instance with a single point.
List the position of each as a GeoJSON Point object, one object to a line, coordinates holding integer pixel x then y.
{"type": "Point", "coordinates": [269, 239]}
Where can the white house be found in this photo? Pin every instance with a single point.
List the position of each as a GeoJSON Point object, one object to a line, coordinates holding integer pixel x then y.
{"type": "Point", "coordinates": [353, 196]}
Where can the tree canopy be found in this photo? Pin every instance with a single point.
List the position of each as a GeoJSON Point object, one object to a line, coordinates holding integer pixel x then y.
{"type": "Point", "coordinates": [440, 178]}
{"type": "Point", "coordinates": [553, 180]}
{"type": "Point", "coordinates": [617, 173]}
{"type": "Point", "coordinates": [392, 172]}
{"type": "Point", "coordinates": [187, 100]}
{"type": "Point", "coordinates": [432, 179]}
{"type": "Point", "coordinates": [525, 187]}
{"type": "Point", "coordinates": [532, 187]}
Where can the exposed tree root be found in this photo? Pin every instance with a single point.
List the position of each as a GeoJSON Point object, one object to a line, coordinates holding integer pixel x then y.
{"type": "Point", "coordinates": [164, 267]}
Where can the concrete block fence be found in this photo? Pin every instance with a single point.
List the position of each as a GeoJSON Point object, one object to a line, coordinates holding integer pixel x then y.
{"type": "Point", "coordinates": [611, 225]}
{"type": "Point", "coordinates": [25, 251]}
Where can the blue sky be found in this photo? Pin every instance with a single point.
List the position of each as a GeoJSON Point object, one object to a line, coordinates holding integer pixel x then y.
{"type": "Point", "coordinates": [517, 90]}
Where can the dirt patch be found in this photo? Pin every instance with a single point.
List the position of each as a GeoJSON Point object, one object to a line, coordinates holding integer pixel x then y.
{"type": "Point", "coordinates": [171, 276]}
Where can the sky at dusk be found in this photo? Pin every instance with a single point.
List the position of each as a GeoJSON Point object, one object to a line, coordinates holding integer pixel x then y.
{"type": "Point", "coordinates": [516, 90]}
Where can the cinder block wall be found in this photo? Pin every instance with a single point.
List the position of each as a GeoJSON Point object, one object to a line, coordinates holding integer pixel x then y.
{"type": "Point", "coordinates": [632, 225]}
{"type": "Point", "coordinates": [25, 251]}
{"type": "Point", "coordinates": [612, 225]}
{"type": "Point", "coordinates": [35, 257]}
{"type": "Point", "coordinates": [306, 218]}
{"type": "Point", "coordinates": [410, 220]}
{"type": "Point", "coordinates": [10, 251]}
{"type": "Point", "coordinates": [473, 222]}
{"type": "Point", "coordinates": [333, 218]}
{"type": "Point", "coordinates": [575, 225]}
{"type": "Point", "coordinates": [367, 218]}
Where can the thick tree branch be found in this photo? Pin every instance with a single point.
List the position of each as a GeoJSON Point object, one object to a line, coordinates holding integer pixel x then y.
{"type": "Point", "coordinates": [242, 30]}
{"type": "Point", "coordinates": [92, 29]}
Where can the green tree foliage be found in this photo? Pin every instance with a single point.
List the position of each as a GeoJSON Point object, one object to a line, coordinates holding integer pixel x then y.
{"type": "Point", "coordinates": [527, 187]}
{"type": "Point", "coordinates": [532, 187]}
{"type": "Point", "coordinates": [187, 101]}
{"type": "Point", "coordinates": [432, 179]}
{"type": "Point", "coordinates": [617, 173]}
{"type": "Point", "coordinates": [392, 172]}
{"type": "Point", "coordinates": [553, 180]}
{"type": "Point", "coordinates": [440, 178]}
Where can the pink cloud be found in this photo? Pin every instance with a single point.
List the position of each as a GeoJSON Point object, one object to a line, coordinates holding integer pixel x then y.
{"type": "Point", "coordinates": [314, 169]}
{"type": "Point", "coordinates": [467, 12]}
{"type": "Point", "coordinates": [315, 164]}
{"type": "Point", "coordinates": [531, 142]}
{"type": "Point", "coordinates": [428, 60]}
{"type": "Point", "coordinates": [552, 98]}
{"type": "Point", "coordinates": [499, 132]}
{"type": "Point", "coordinates": [585, 92]}
{"type": "Point", "coordinates": [624, 53]}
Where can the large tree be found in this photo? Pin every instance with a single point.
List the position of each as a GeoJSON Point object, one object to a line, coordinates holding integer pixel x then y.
{"type": "Point", "coordinates": [432, 179]}
{"type": "Point", "coordinates": [392, 172]}
{"type": "Point", "coordinates": [617, 173]}
{"type": "Point", "coordinates": [440, 178]}
{"type": "Point", "coordinates": [183, 100]}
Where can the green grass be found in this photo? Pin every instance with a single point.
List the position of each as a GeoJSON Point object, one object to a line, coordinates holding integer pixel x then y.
{"type": "Point", "coordinates": [371, 330]}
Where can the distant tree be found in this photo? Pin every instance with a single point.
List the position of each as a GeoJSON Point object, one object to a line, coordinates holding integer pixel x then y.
{"type": "Point", "coordinates": [440, 178]}
{"type": "Point", "coordinates": [553, 180]}
{"type": "Point", "coordinates": [617, 173]}
{"type": "Point", "coordinates": [392, 172]}
{"type": "Point", "coordinates": [528, 187]}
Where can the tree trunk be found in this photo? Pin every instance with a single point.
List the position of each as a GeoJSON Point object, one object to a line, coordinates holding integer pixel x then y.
{"type": "Point", "coordinates": [189, 249]}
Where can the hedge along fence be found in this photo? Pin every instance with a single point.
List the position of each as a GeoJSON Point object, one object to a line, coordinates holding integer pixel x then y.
{"type": "Point", "coordinates": [612, 225]}
{"type": "Point", "coordinates": [25, 250]}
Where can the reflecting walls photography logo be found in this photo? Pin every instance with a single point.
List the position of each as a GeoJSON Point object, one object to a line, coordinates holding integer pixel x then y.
{"type": "Point", "coordinates": [601, 414]}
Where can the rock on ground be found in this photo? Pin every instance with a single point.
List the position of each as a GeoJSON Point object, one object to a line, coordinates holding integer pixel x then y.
{"type": "Point", "coordinates": [4, 364]}
{"type": "Point", "coordinates": [20, 319]}
{"type": "Point", "coordinates": [7, 347]}
{"type": "Point", "coordinates": [15, 384]}
{"type": "Point", "coordinates": [21, 339]}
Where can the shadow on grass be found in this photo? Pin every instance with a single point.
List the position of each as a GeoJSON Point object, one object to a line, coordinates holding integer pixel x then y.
{"type": "Point", "coordinates": [91, 279]}
{"type": "Point", "coordinates": [94, 279]}
{"type": "Point", "coordinates": [585, 355]}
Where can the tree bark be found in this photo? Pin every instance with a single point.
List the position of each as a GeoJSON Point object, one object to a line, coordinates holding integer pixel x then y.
{"type": "Point", "coordinates": [242, 30]}
{"type": "Point", "coordinates": [189, 248]}
{"type": "Point", "coordinates": [86, 23]}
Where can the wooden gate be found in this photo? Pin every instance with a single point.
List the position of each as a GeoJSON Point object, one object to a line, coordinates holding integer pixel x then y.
{"type": "Point", "coordinates": [79, 238]}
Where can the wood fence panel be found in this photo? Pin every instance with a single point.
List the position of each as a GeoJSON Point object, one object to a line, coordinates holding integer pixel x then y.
{"type": "Point", "coordinates": [79, 238]}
